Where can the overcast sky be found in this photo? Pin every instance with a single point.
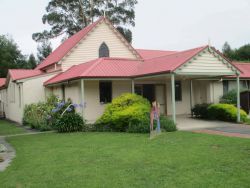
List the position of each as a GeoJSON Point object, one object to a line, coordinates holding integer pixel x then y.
{"type": "Point", "coordinates": [160, 24]}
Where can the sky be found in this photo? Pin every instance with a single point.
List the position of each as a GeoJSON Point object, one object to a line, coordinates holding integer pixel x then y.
{"type": "Point", "coordinates": [160, 24]}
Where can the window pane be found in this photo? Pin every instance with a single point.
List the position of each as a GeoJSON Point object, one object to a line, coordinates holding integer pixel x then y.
{"type": "Point", "coordinates": [178, 91]}
{"type": "Point", "coordinates": [103, 50]}
{"type": "Point", "coordinates": [105, 92]}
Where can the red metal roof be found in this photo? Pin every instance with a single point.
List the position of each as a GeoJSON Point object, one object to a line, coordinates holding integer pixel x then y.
{"type": "Point", "coordinates": [244, 68]}
{"type": "Point", "coordinates": [17, 74]}
{"type": "Point", "coordinates": [2, 82]}
{"type": "Point", "coordinates": [167, 63]}
{"type": "Point", "coordinates": [66, 46]}
{"type": "Point", "coordinates": [118, 67]}
{"type": "Point", "coordinates": [98, 68]}
{"type": "Point", "coordinates": [149, 54]}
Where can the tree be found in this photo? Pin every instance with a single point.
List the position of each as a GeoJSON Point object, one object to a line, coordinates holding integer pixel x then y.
{"type": "Point", "coordinates": [31, 62]}
{"type": "Point", "coordinates": [227, 51]}
{"type": "Point", "coordinates": [66, 17]}
{"type": "Point", "coordinates": [10, 56]}
{"type": "Point", "coordinates": [43, 50]}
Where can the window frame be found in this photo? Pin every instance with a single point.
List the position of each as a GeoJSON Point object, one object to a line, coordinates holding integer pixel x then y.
{"type": "Point", "coordinates": [104, 50]}
{"type": "Point", "coordinates": [105, 98]}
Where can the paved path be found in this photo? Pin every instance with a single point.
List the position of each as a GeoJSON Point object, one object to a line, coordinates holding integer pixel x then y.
{"type": "Point", "coordinates": [186, 123]}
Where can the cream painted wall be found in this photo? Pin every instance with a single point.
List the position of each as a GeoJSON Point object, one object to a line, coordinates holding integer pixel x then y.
{"type": "Point", "coordinates": [94, 108]}
{"type": "Point", "coordinates": [182, 107]}
{"type": "Point", "coordinates": [88, 48]}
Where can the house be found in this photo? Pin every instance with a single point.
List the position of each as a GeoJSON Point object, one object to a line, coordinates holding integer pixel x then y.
{"type": "Point", "coordinates": [97, 64]}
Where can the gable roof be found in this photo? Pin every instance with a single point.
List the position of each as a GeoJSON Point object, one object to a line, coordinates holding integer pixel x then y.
{"type": "Point", "coordinates": [17, 74]}
{"type": "Point", "coordinates": [128, 68]}
{"type": "Point", "coordinates": [149, 54]}
{"type": "Point", "coordinates": [2, 82]}
{"type": "Point", "coordinates": [71, 42]}
{"type": "Point", "coordinates": [66, 46]}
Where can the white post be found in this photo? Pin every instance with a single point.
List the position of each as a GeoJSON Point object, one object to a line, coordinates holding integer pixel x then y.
{"type": "Point", "coordinates": [191, 95]}
{"type": "Point", "coordinates": [173, 97]}
{"type": "Point", "coordinates": [238, 98]}
{"type": "Point", "coordinates": [82, 97]}
{"type": "Point", "coordinates": [133, 86]}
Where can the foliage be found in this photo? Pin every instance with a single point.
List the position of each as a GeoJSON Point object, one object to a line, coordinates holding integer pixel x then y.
{"type": "Point", "coordinates": [43, 50]}
{"type": "Point", "coordinates": [70, 122]}
{"type": "Point", "coordinates": [66, 17]}
{"type": "Point", "coordinates": [229, 98]}
{"type": "Point", "coordinates": [240, 54]}
{"type": "Point", "coordinates": [200, 110]}
{"type": "Point", "coordinates": [31, 62]}
{"type": "Point", "coordinates": [124, 110]}
{"type": "Point", "coordinates": [225, 112]}
{"type": "Point", "coordinates": [167, 124]}
{"type": "Point", "coordinates": [10, 56]}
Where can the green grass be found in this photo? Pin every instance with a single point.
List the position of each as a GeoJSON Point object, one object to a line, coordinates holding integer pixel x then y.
{"type": "Point", "coordinates": [7, 128]}
{"type": "Point", "coordinates": [179, 159]}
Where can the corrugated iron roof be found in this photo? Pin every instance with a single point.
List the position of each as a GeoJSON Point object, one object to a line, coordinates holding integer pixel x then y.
{"type": "Point", "coordinates": [119, 67]}
{"type": "Point", "coordinates": [244, 68]}
{"type": "Point", "coordinates": [2, 82]}
{"type": "Point", "coordinates": [149, 54]}
{"type": "Point", "coordinates": [17, 74]}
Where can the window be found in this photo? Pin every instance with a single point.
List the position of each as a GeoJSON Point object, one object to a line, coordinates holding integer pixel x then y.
{"type": "Point", "coordinates": [138, 89]}
{"type": "Point", "coordinates": [225, 86]}
{"type": "Point", "coordinates": [103, 50]}
{"type": "Point", "coordinates": [178, 91]}
{"type": "Point", "coordinates": [105, 92]}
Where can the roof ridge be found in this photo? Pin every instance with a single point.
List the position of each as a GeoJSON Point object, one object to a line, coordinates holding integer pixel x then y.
{"type": "Point", "coordinates": [86, 29]}
{"type": "Point", "coordinates": [179, 52]}
{"type": "Point", "coordinates": [96, 62]}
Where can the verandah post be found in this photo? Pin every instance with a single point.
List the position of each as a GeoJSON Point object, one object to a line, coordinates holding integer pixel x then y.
{"type": "Point", "coordinates": [82, 97]}
{"type": "Point", "coordinates": [173, 97]}
{"type": "Point", "coordinates": [238, 98]}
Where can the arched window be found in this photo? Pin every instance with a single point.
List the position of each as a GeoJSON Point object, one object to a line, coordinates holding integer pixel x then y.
{"type": "Point", "coordinates": [103, 50]}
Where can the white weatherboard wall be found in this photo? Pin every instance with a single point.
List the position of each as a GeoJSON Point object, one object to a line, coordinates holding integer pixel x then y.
{"type": "Point", "coordinates": [205, 64]}
{"type": "Point", "coordinates": [88, 48]}
{"type": "Point", "coordinates": [94, 109]}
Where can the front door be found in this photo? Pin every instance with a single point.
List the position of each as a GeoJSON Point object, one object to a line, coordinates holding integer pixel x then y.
{"type": "Point", "coordinates": [160, 97]}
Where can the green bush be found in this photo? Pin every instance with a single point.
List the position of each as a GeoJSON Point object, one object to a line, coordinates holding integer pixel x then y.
{"type": "Point", "coordinates": [124, 111]}
{"type": "Point", "coordinates": [36, 116]}
{"type": "Point", "coordinates": [225, 112]}
{"type": "Point", "coordinates": [200, 110]}
{"type": "Point", "coordinates": [167, 124]}
{"type": "Point", "coordinates": [70, 122]}
{"type": "Point", "coordinates": [229, 98]}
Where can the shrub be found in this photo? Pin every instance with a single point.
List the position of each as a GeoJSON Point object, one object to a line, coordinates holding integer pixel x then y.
{"type": "Point", "coordinates": [229, 98]}
{"type": "Point", "coordinates": [70, 122]}
{"type": "Point", "coordinates": [124, 111]}
{"type": "Point", "coordinates": [167, 124]}
{"type": "Point", "coordinates": [200, 110]}
{"type": "Point", "coordinates": [225, 112]}
{"type": "Point", "coordinates": [35, 116]}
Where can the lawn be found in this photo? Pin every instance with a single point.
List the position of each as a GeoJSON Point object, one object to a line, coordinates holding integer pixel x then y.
{"type": "Point", "coordinates": [179, 159]}
{"type": "Point", "coordinates": [7, 128]}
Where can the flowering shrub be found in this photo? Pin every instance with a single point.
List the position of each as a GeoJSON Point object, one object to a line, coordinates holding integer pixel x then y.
{"type": "Point", "coordinates": [44, 115]}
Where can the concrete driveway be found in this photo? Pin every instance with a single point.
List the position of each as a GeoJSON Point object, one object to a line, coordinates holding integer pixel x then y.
{"type": "Point", "coordinates": [186, 123]}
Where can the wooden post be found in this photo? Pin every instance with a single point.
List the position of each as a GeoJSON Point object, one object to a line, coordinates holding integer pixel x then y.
{"type": "Point", "coordinates": [82, 97]}
{"type": "Point", "coordinates": [173, 97]}
{"type": "Point", "coordinates": [238, 98]}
